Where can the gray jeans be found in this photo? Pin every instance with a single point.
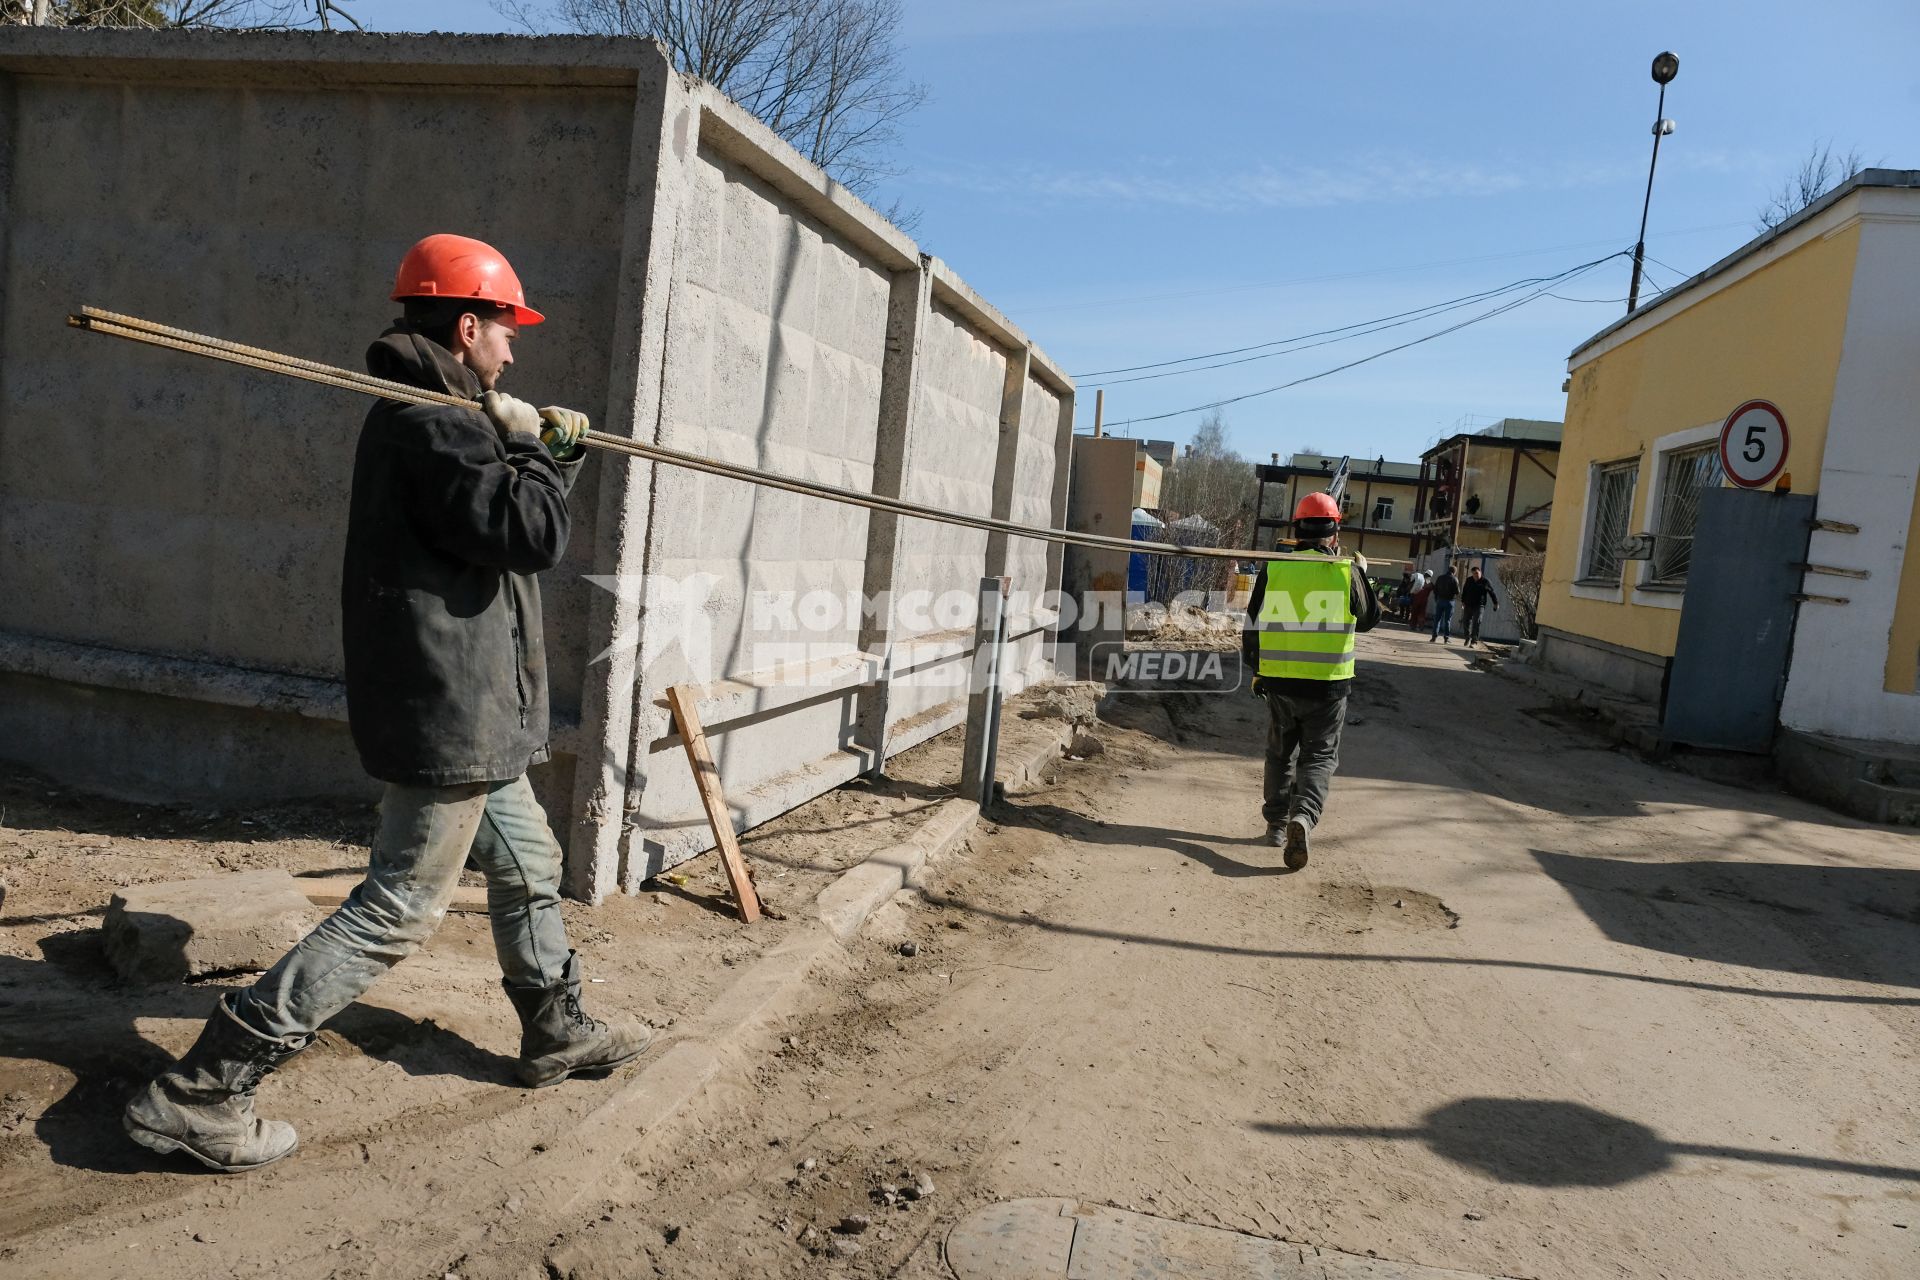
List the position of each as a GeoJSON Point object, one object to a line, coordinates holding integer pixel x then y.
{"type": "Point", "coordinates": [424, 837]}
{"type": "Point", "coordinates": [1303, 750]}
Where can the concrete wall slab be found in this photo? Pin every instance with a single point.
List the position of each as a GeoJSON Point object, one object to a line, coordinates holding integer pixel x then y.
{"type": "Point", "coordinates": [705, 287]}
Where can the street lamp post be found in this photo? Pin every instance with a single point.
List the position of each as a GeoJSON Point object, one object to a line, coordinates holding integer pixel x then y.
{"type": "Point", "coordinates": [1665, 68]}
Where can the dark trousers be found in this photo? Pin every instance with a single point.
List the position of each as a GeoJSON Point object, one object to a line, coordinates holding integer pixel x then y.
{"type": "Point", "coordinates": [1303, 750]}
{"type": "Point", "coordinates": [1470, 622]}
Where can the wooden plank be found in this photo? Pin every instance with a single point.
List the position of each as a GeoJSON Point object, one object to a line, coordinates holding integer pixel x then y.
{"type": "Point", "coordinates": [706, 776]}
{"type": "Point", "coordinates": [1834, 570]}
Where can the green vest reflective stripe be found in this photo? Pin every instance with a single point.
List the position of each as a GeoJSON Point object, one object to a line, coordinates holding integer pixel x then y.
{"type": "Point", "coordinates": [1306, 619]}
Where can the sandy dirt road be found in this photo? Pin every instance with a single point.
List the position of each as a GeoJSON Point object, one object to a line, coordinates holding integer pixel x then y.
{"type": "Point", "coordinates": [413, 1138]}
{"type": "Point", "coordinates": [1536, 1008]}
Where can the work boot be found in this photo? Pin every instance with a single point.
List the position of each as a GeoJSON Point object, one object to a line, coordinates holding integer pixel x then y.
{"type": "Point", "coordinates": [1296, 854]}
{"type": "Point", "coordinates": [1276, 836]}
{"type": "Point", "coordinates": [203, 1104]}
{"type": "Point", "coordinates": [558, 1039]}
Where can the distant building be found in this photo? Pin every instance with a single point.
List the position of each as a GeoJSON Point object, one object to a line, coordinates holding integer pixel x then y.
{"type": "Point", "coordinates": [1113, 489]}
{"type": "Point", "coordinates": [1161, 451]}
{"type": "Point", "coordinates": [1489, 490]}
{"type": "Point", "coordinates": [1377, 510]}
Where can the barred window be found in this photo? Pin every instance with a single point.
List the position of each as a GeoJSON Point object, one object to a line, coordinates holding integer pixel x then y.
{"type": "Point", "coordinates": [1607, 520]}
{"type": "Point", "coordinates": [1382, 511]}
{"type": "Point", "coordinates": [1685, 474]}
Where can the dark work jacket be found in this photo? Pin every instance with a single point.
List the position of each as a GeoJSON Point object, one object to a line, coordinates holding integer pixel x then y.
{"type": "Point", "coordinates": [1475, 592]}
{"type": "Point", "coordinates": [440, 613]}
{"type": "Point", "coordinates": [1366, 615]}
{"type": "Point", "coordinates": [1446, 586]}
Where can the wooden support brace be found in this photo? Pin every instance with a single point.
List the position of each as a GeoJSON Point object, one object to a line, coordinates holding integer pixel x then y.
{"type": "Point", "coordinates": [1807, 599]}
{"type": "Point", "coordinates": [706, 776]}
{"type": "Point", "coordinates": [1835, 571]}
{"type": "Point", "coordinates": [1835, 526]}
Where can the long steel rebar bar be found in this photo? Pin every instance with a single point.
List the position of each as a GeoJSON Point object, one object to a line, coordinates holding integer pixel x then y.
{"type": "Point", "coordinates": [133, 328]}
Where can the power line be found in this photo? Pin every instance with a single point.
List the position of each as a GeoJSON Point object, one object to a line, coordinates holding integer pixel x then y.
{"type": "Point", "coordinates": [1355, 275]}
{"type": "Point", "coordinates": [1677, 271]}
{"type": "Point", "coordinates": [1399, 317]}
{"type": "Point", "coordinates": [1346, 333]}
{"type": "Point", "coordinates": [1502, 309]}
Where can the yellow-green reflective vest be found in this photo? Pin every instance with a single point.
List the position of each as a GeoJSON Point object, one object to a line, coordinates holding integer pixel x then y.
{"type": "Point", "coordinates": [1306, 619]}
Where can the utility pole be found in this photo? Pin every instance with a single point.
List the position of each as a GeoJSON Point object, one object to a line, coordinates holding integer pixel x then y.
{"type": "Point", "coordinates": [1665, 68]}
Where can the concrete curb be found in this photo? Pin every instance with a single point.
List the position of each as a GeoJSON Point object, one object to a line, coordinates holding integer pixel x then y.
{"type": "Point", "coordinates": [846, 904]}
{"type": "Point", "coordinates": [576, 1164]}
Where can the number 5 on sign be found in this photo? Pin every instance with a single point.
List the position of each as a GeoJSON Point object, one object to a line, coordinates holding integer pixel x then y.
{"type": "Point", "coordinates": [1753, 444]}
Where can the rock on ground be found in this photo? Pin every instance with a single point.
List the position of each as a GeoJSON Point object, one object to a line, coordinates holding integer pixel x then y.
{"type": "Point", "coordinates": [232, 923]}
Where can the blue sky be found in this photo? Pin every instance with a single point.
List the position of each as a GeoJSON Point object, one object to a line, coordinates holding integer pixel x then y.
{"type": "Point", "coordinates": [1133, 182]}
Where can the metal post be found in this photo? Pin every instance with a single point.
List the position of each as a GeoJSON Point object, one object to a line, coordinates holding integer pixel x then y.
{"type": "Point", "coordinates": [983, 693]}
{"type": "Point", "coordinates": [1640, 245]}
{"type": "Point", "coordinates": [990, 789]}
{"type": "Point", "coordinates": [1099, 412]}
{"type": "Point", "coordinates": [1665, 68]}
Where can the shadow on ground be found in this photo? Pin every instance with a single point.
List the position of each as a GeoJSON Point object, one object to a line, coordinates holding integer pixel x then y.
{"type": "Point", "coordinates": [71, 1011]}
{"type": "Point", "coordinates": [1846, 922]}
{"type": "Point", "coordinates": [32, 802]}
{"type": "Point", "coordinates": [1187, 844]}
{"type": "Point", "coordinates": [1540, 1143]}
{"type": "Point", "coordinates": [1026, 921]}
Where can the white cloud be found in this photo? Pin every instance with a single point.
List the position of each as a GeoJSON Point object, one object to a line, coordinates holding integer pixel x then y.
{"type": "Point", "coordinates": [1379, 179]}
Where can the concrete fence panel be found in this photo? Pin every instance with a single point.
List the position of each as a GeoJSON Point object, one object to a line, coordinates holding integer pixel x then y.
{"type": "Point", "coordinates": [168, 592]}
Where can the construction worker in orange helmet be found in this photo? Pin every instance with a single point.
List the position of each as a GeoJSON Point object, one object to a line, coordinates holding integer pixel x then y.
{"type": "Point", "coordinates": [453, 512]}
{"type": "Point", "coordinates": [1301, 622]}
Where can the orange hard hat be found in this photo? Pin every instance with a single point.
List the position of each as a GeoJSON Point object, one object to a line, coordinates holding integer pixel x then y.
{"type": "Point", "coordinates": [449, 266]}
{"type": "Point", "coordinates": [1317, 506]}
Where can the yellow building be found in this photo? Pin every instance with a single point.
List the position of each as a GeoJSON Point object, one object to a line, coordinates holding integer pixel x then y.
{"type": "Point", "coordinates": [1820, 317]}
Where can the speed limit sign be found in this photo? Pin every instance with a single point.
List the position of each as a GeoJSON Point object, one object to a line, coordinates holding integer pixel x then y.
{"type": "Point", "coordinates": [1753, 444]}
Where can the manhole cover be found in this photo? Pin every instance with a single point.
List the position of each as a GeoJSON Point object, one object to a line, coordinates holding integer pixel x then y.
{"type": "Point", "coordinates": [1068, 1240]}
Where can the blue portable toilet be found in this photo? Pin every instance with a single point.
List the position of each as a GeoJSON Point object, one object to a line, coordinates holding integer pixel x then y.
{"type": "Point", "coordinates": [1147, 527]}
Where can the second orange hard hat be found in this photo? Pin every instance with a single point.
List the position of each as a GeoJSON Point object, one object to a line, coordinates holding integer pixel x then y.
{"type": "Point", "coordinates": [1317, 506]}
{"type": "Point", "coordinates": [450, 266]}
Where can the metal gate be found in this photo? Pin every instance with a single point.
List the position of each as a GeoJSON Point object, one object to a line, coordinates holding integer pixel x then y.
{"type": "Point", "coordinates": [1736, 626]}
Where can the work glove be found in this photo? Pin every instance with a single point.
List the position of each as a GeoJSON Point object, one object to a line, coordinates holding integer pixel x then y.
{"type": "Point", "coordinates": [1259, 686]}
{"type": "Point", "coordinates": [1359, 562]}
{"type": "Point", "coordinates": [510, 416]}
{"type": "Point", "coordinates": [563, 431]}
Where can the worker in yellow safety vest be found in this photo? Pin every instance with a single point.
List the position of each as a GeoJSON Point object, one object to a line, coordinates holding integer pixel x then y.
{"type": "Point", "coordinates": [1301, 622]}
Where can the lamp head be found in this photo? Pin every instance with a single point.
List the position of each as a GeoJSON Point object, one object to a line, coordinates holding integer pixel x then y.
{"type": "Point", "coordinates": [1665, 68]}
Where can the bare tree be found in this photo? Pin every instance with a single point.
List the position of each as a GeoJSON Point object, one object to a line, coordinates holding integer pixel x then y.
{"type": "Point", "coordinates": [1818, 174]}
{"type": "Point", "coordinates": [1207, 498]}
{"type": "Point", "coordinates": [823, 74]}
{"type": "Point", "coordinates": [1521, 576]}
{"type": "Point", "coordinates": [157, 14]}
